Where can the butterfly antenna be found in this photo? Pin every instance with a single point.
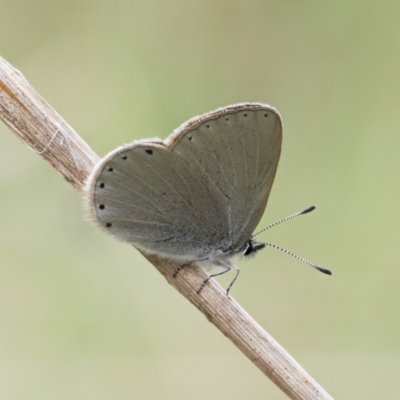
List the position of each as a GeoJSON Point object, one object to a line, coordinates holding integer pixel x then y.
{"type": "Point", "coordinates": [323, 270]}
{"type": "Point", "coordinates": [306, 211]}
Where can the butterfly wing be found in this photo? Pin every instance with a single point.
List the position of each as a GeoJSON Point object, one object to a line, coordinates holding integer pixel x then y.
{"type": "Point", "coordinates": [144, 194]}
{"type": "Point", "coordinates": [202, 191]}
{"type": "Point", "coordinates": [237, 149]}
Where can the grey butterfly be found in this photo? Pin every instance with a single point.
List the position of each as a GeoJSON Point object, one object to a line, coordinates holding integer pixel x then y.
{"type": "Point", "coordinates": [196, 196]}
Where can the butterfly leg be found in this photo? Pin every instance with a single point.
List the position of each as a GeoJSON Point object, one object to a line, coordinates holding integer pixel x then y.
{"type": "Point", "coordinates": [234, 279]}
{"type": "Point", "coordinates": [179, 269]}
{"type": "Point", "coordinates": [226, 267]}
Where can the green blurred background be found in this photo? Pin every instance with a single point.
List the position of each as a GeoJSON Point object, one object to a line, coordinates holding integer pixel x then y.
{"type": "Point", "coordinates": [85, 317]}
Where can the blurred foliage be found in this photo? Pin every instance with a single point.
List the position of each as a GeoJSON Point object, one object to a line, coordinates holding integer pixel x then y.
{"type": "Point", "coordinates": [82, 316]}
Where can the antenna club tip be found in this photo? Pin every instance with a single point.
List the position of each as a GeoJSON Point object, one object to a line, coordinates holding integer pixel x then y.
{"type": "Point", "coordinates": [324, 271]}
{"type": "Point", "coordinates": [309, 209]}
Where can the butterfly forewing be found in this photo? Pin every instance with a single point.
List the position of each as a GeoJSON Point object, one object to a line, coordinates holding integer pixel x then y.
{"type": "Point", "coordinates": [237, 149]}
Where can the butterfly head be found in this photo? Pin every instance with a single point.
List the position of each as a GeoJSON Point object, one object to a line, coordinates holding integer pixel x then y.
{"type": "Point", "coordinates": [252, 247]}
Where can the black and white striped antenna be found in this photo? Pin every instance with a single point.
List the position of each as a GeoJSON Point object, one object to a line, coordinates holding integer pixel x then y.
{"type": "Point", "coordinates": [306, 211]}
